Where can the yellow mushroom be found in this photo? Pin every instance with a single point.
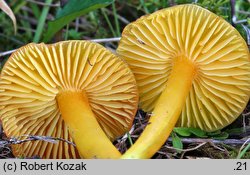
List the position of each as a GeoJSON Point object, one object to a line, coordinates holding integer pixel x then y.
{"type": "Point", "coordinates": [73, 90]}
{"type": "Point", "coordinates": [192, 69]}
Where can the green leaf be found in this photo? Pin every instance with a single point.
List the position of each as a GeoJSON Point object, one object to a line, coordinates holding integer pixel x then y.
{"type": "Point", "coordinates": [214, 133]}
{"type": "Point", "coordinates": [221, 136]}
{"type": "Point", "coordinates": [176, 141]}
{"type": "Point", "coordinates": [182, 131]}
{"type": "Point", "coordinates": [234, 131]}
{"type": "Point", "coordinates": [72, 10]}
{"type": "Point", "coordinates": [75, 35]}
{"type": "Point", "coordinates": [198, 132]}
{"type": "Point", "coordinates": [186, 132]}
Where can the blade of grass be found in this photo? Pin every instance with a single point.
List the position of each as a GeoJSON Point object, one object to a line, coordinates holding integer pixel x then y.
{"type": "Point", "coordinates": [35, 9]}
{"type": "Point", "coordinates": [117, 25]}
{"type": "Point", "coordinates": [18, 6]}
{"type": "Point", "coordinates": [144, 6]}
{"type": "Point", "coordinates": [243, 151]}
{"type": "Point", "coordinates": [164, 3]}
{"type": "Point", "coordinates": [93, 18]}
{"type": "Point", "coordinates": [177, 143]}
{"type": "Point", "coordinates": [108, 22]}
{"type": "Point", "coordinates": [26, 24]}
{"type": "Point", "coordinates": [41, 22]}
{"type": "Point", "coordinates": [67, 32]}
{"type": "Point", "coordinates": [130, 139]}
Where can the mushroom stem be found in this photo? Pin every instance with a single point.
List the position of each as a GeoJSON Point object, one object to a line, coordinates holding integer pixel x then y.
{"type": "Point", "coordinates": [86, 132]}
{"type": "Point", "coordinates": [166, 112]}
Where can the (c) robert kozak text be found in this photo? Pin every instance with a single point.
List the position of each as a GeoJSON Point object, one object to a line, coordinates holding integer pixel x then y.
{"type": "Point", "coordinates": [52, 166]}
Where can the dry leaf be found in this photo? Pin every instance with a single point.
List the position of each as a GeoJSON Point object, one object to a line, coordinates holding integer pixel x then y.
{"type": "Point", "coordinates": [4, 6]}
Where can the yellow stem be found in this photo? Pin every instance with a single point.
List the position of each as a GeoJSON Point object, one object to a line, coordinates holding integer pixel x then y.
{"type": "Point", "coordinates": [166, 112]}
{"type": "Point", "coordinates": [86, 132]}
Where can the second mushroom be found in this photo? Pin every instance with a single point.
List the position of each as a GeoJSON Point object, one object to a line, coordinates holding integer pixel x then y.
{"type": "Point", "coordinates": [192, 70]}
{"type": "Point", "coordinates": [75, 90]}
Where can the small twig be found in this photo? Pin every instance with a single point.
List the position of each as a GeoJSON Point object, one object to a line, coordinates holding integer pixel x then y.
{"type": "Point", "coordinates": [77, 24]}
{"type": "Point", "coordinates": [122, 19]}
{"type": "Point", "coordinates": [31, 20]}
{"type": "Point", "coordinates": [217, 147]}
{"type": "Point", "coordinates": [7, 52]}
{"type": "Point", "coordinates": [164, 153]}
{"type": "Point", "coordinates": [226, 141]}
{"type": "Point", "coordinates": [213, 141]}
{"type": "Point", "coordinates": [244, 122]}
{"type": "Point", "coordinates": [233, 15]}
{"type": "Point", "coordinates": [26, 29]}
{"type": "Point", "coordinates": [246, 114]}
{"type": "Point", "coordinates": [139, 129]}
{"type": "Point", "coordinates": [237, 11]}
{"type": "Point", "coordinates": [240, 21]}
{"type": "Point", "coordinates": [1, 132]}
{"type": "Point", "coordinates": [191, 149]}
{"type": "Point", "coordinates": [186, 150]}
{"type": "Point", "coordinates": [5, 152]}
{"type": "Point", "coordinates": [247, 30]}
{"type": "Point", "coordinates": [27, 9]}
{"type": "Point", "coordinates": [129, 132]}
{"type": "Point", "coordinates": [43, 4]}
{"type": "Point", "coordinates": [17, 140]}
{"type": "Point", "coordinates": [11, 38]}
{"type": "Point", "coordinates": [105, 40]}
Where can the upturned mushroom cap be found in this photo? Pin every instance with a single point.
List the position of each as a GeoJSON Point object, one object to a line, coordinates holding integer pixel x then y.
{"type": "Point", "coordinates": [36, 73]}
{"type": "Point", "coordinates": [220, 89]}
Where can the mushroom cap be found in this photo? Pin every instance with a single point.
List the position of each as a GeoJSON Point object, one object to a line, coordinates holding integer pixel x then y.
{"type": "Point", "coordinates": [34, 75]}
{"type": "Point", "coordinates": [221, 87]}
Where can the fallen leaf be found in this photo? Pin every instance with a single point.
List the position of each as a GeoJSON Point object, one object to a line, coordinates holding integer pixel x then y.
{"type": "Point", "coordinates": [4, 6]}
